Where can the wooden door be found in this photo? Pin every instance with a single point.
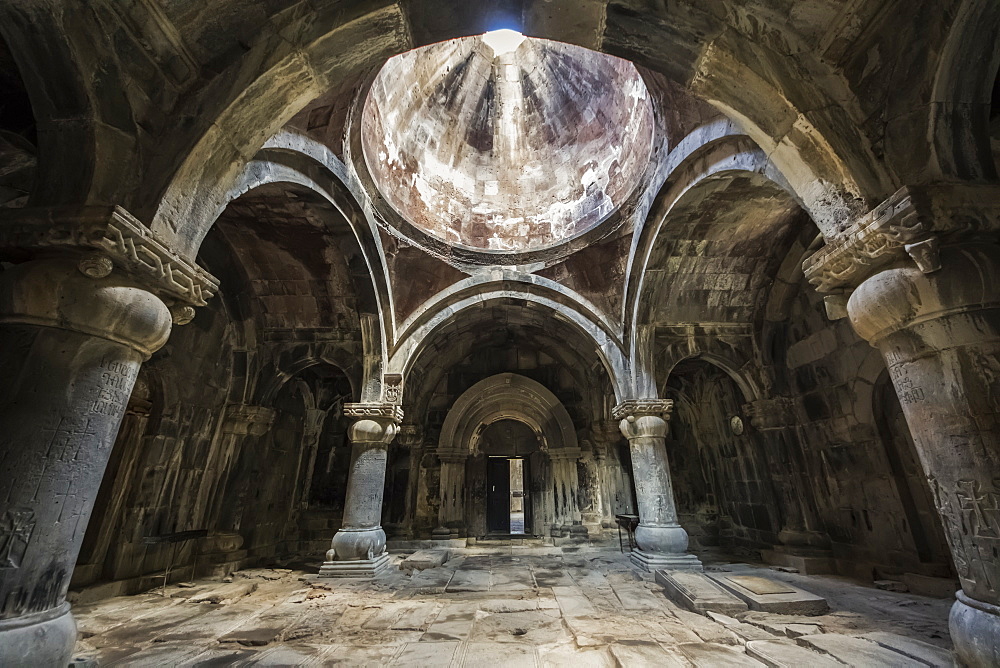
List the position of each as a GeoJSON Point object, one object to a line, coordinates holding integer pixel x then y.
{"type": "Point", "coordinates": [498, 495]}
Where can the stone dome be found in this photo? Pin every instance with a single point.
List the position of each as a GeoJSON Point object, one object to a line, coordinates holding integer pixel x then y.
{"type": "Point", "coordinates": [506, 146]}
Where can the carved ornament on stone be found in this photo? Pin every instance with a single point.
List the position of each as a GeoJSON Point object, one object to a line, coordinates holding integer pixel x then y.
{"type": "Point", "coordinates": [913, 223]}
{"type": "Point", "coordinates": [374, 410]}
{"type": "Point", "coordinates": [639, 407]}
{"type": "Point", "coordinates": [119, 238]}
{"type": "Point", "coordinates": [392, 384]}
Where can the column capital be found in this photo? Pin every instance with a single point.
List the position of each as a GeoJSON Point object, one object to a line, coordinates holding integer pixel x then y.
{"type": "Point", "coordinates": [375, 422]}
{"type": "Point", "coordinates": [106, 239]}
{"type": "Point", "coordinates": [246, 419]}
{"type": "Point", "coordinates": [911, 225]}
{"type": "Point", "coordinates": [643, 418]}
{"type": "Point", "coordinates": [636, 408]}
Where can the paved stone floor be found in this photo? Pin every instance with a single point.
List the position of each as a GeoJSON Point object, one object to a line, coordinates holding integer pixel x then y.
{"type": "Point", "coordinates": [509, 606]}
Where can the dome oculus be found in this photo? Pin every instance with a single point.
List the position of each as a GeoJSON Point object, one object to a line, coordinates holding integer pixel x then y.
{"type": "Point", "coordinates": [506, 143]}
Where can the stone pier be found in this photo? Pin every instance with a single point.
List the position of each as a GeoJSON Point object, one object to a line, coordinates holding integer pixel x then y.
{"type": "Point", "coordinates": [662, 541]}
{"type": "Point", "coordinates": [922, 284]}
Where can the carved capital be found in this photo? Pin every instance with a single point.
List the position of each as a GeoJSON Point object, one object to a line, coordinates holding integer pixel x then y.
{"type": "Point", "coordinates": [772, 413]}
{"type": "Point", "coordinates": [246, 419]}
{"type": "Point", "coordinates": [375, 410]}
{"type": "Point", "coordinates": [643, 418]}
{"type": "Point", "coordinates": [642, 407]}
{"type": "Point", "coordinates": [120, 241]}
{"type": "Point", "coordinates": [909, 226]}
{"type": "Point", "coordinates": [376, 423]}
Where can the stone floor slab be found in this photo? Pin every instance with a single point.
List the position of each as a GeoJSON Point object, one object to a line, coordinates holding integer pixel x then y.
{"type": "Point", "coordinates": [499, 655]}
{"type": "Point", "coordinates": [855, 651]}
{"type": "Point", "coordinates": [424, 559]}
{"type": "Point", "coordinates": [706, 655]}
{"type": "Point", "coordinates": [786, 654]}
{"type": "Point", "coordinates": [573, 603]}
{"type": "Point", "coordinates": [930, 654]}
{"type": "Point", "coordinates": [454, 622]}
{"type": "Point", "coordinates": [427, 654]}
{"type": "Point", "coordinates": [698, 592]}
{"type": "Point", "coordinates": [640, 653]}
{"type": "Point", "coordinates": [770, 595]}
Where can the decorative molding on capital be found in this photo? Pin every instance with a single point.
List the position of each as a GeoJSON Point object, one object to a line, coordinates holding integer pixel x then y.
{"type": "Point", "coordinates": [913, 223]}
{"type": "Point", "coordinates": [772, 412]}
{"type": "Point", "coordinates": [635, 408]}
{"type": "Point", "coordinates": [248, 420]}
{"type": "Point", "coordinates": [375, 411]}
{"type": "Point", "coordinates": [119, 238]}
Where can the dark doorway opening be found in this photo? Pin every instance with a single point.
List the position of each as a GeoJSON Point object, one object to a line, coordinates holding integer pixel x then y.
{"type": "Point", "coordinates": [507, 506]}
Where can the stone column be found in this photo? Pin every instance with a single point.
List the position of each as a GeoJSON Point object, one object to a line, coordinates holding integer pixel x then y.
{"type": "Point", "coordinates": [451, 512]}
{"type": "Point", "coordinates": [358, 549]}
{"type": "Point", "coordinates": [802, 545]}
{"type": "Point", "coordinates": [919, 278]}
{"type": "Point", "coordinates": [662, 541]}
{"type": "Point", "coordinates": [78, 316]}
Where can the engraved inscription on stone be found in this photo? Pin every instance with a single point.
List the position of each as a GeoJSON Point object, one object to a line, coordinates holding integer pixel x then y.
{"type": "Point", "coordinates": [116, 385]}
{"type": "Point", "coordinates": [15, 532]}
{"type": "Point", "coordinates": [759, 586]}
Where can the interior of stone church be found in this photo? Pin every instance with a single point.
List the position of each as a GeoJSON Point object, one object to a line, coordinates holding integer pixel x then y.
{"type": "Point", "coordinates": [512, 332]}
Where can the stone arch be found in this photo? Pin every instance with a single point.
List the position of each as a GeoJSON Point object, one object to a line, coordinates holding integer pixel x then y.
{"type": "Point", "coordinates": [285, 371]}
{"type": "Point", "coordinates": [414, 341]}
{"type": "Point", "coordinates": [962, 86]}
{"type": "Point", "coordinates": [728, 361]}
{"type": "Point", "coordinates": [323, 55]}
{"type": "Point", "coordinates": [508, 396]}
{"type": "Point", "coordinates": [86, 149]}
{"type": "Point", "coordinates": [303, 167]}
{"type": "Point", "coordinates": [695, 217]}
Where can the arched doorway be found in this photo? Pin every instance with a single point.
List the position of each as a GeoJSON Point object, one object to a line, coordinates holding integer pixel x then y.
{"type": "Point", "coordinates": [506, 423]}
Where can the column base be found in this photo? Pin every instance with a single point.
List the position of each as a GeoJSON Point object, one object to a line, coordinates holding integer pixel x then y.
{"type": "Point", "coordinates": [975, 631]}
{"type": "Point", "coordinates": [360, 568]}
{"type": "Point", "coordinates": [654, 561]}
{"type": "Point", "coordinates": [41, 639]}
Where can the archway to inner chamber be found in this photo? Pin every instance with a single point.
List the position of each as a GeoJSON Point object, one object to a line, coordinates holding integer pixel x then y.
{"type": "Point", "coordinates": [503, 427]}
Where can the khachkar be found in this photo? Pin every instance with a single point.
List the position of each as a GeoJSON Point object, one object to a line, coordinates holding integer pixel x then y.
{"type": "Point", "coordinates": [662, 541]}
{"type": "Point", "coordinates": [919, 278]}
{"type": "Point", "coordinates": [92, 296]}
{"type": "Point", "coordinates": [358, 549]}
